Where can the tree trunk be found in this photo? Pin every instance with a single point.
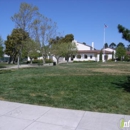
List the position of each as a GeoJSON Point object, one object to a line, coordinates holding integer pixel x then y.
{"type": "Point", "coordinates": [43, 60]}
{"type": "Point", "coordinates": [18, 61]}
{"type": "Point", "coordinates": [31, 61]}
{"type": "Point", "coordinates": [10, 59]}
{"type": "Point", "coordinates": [14, 59]}
{"type": "Point", "coordinates": [57, 60]}
{"type": "Point", "coordinates": [67, 59]}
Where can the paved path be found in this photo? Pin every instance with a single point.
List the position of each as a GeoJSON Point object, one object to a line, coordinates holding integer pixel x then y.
{"type": "Point", "coordinates": [17, 116]}
{"type": "Point", "coordinates": [25, 66]}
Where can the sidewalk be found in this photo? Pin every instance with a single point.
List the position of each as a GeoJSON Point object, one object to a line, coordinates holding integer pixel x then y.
{"type": "Point", "coordinates": [17, 116]}
{"type": "Point", "coordinates": [24, 66]}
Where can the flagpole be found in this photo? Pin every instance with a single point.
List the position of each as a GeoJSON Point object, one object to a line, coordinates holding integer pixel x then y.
{"type": "Point", "coordinates": [104, 44]}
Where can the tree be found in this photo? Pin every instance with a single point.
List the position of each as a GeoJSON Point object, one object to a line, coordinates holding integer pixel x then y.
{"type": "Point", "coordinates": [125, 32]}
{"type": "Point", "coordinates": [63, 47]}
{"type": "Point", "coordinates": [120, 52]}
{"type": "Point", "coordinates": [48, 32]}
{"type": "Point", "coordinates": [70, 49]}
{"type": "Point", "coordinates": [1, 47]}
{"type": "Point", "coordinates": [63, 50]}
{"type": "Point", "coordinates": [57, 50]}
{"type": "Point", "coordinates": [14, 44]}
{"type": "Point", "coordinates": [84, 43]}
{"type": "Point", "coordinates": [41, 29]}
{"type": "Point", "coordinates": [106, 45]}
{"type": "Point", "coordinates": [67, 38]}
{"type": "Point", "coordinates": [128, 47]}
{"type": "Point", "coordinates": [26, 16]}
{"type": "Point", "coordinates": [121, 44]}
{"type": "Point", "coordinates": [112, 45]}
{"type": "Point", "coordinates": [31, 48]}
{"type": "Point", "coordinates": [55, 40]}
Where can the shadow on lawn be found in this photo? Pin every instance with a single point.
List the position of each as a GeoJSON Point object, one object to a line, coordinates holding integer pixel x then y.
{"type": "Point", "coordinates": [5, 71]}
{"type": "Point", "coordinates": [2, 66]}
{"type": "Point", "coordinates": [124, 84]}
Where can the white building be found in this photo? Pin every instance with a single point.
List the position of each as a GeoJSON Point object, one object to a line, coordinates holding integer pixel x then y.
{"type": "Point", "coordinates": [89, 53]}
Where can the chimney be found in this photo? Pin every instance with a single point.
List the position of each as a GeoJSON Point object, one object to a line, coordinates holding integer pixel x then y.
{"type": "Point", "coordinates": [92, 45]}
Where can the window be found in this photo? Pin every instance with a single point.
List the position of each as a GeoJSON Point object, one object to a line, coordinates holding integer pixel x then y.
{"type": "Point", "coordinates": [91, 56]}
{"type": "Point", "coordinates": [78, 56]}
{"type": "Point", "coordinates": [85, 56]}
{"type": "Point", "coordinates": [73, 56]}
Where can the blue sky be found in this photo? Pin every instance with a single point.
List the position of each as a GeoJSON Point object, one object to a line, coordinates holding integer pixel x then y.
{"type": "Point", "coordinates": [85, 19]}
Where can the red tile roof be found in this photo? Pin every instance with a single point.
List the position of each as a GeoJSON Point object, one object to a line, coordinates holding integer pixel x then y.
{"type": "Point", "coordinates": [94, 51]}
{"type": "Point", "coordinates": [128, 52]}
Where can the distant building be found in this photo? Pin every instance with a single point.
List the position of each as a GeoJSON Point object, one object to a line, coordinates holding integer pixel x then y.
{"type": "Point", "coordinates": [89, 53]}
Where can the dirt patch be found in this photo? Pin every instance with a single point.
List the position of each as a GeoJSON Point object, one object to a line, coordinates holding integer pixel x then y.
{"type": "Point", "coordinates": [118, 64]}
{"type": "Point", "coordinates": [108, 70]}
{"type": "Point", "coordinates": [1, 98]}
{"type": "Point", "coordinates": [108, 65]}
{"type": "Point", "coordinates": [32, 94]}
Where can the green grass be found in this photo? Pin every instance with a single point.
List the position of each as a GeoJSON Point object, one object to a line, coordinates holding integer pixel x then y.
{"type": "Point", "coordinates": [5, 65]}
{"type": "Point", "coordinates": [2, 65]}
{"type": "Point", "coordinates": [74, 86]}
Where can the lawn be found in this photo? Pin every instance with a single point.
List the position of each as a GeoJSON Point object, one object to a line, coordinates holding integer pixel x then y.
{"type": "Point", "coordinates": [100, 87]}
{"type": "Point", "coordinates": [5, 65]}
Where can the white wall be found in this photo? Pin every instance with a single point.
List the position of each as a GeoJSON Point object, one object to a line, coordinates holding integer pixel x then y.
{"type": "Point", "coordinates": [109, 57]}
{"type": "Point", "coordinates": [81, 46]}
{"type": "Point", "coordinates": [98, 57]}
{"type": "Point", "coordinates": [5, 55]}
{"type": "Point", "coordinates": [111, 50]}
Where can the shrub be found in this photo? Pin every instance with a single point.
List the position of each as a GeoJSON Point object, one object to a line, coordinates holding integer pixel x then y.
{"type": "Point", "coordinates": [36, 61]}
{"type": "Point", "coordinates": [126, 58]}
{"type": "Point", "coordinates": [41, 61]}
{"type": "Point", "coordinates": [83, 61]}
{"type": "Point", "coordinates": [91, 61]}
{"type": "Point", "coordinates": [48, 61]}
{"type": "Point", "coordinates": [28, 62]}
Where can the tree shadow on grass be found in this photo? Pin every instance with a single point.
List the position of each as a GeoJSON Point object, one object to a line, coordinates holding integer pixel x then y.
{"type": "Point", "coordinates": [124, 84]}
{"type": "Point", "coordinates": [2, 66]}
{"type": "Point", "coordinates": [5, 71]}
